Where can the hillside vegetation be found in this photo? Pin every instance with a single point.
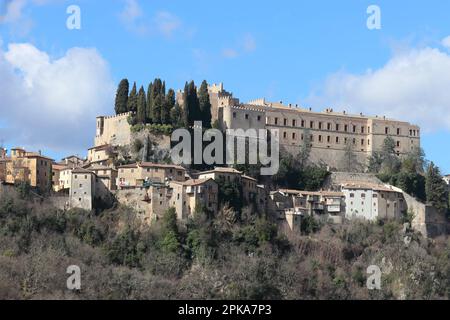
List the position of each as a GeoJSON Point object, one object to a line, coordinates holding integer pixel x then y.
{"type": "Point", "coordinates": [229, 256]}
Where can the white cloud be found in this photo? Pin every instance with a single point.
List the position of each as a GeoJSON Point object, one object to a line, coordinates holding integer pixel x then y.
{"type": "Point", "coordinates": [52, 103]}
{"type": "Point", "coordinates": [132, 17]}
{"type": "Point", "coordinates": [166, 23]}
{"type": "Point", "coordinates": [446, 42]}
{"type": "Point", "coordinates": [163, 22]}
{"type": "Point", "coordinates": [131, 11]}
{"type": "Point", "coordinates": [230, 53]}
{"type": "Point", "coordinates": [246, 45]}
{"type": "Point", "coordinates": [413, 86]}
{"type": "Point", "coordinates": [13, 14]}
{"type": "Point", "coordinates": [11, 10]}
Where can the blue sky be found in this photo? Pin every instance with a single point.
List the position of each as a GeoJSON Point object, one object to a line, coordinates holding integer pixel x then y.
{"type": "Point", "coordinates": [316, 53]}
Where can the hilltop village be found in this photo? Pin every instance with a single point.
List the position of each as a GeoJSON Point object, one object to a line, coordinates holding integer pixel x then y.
{"type": "Point", "coordinates": [129, 163]}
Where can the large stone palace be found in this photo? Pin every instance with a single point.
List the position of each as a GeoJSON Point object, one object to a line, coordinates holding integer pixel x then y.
{"type": "Point", "coordinates": [331, 133]}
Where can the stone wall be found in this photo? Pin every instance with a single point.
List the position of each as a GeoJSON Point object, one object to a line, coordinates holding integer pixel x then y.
{"type": "Point", "coordinates": [60, 202]}
{"type": "Point", "coordinates": [133, 198]}
{"type": "Point", "coordinates": [427, 219]}
{"type": "Point", "coordinates": [336, 179]}
{"type": "Point", "coordinates": [113, 130]}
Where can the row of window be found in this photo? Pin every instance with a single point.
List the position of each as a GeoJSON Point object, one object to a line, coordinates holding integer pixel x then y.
{"type": "Point", "coordinates": [180, 173]}
{"type": "Point", "coordinates": [329, 139]}
{"type": "Point", "coordinates": [329, 126]}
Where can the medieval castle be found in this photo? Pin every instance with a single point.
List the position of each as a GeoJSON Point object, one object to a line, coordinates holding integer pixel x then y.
{"type": "Point", "coordinates": [329, 132]}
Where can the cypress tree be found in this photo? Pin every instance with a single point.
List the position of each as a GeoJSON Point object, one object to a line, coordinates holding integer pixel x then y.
{"type": "Point", "coordinates": [132, 99]}
{"type": "Point", "coordinates": [191, 108]}
{"type": "Point", "coordinates": [157, 101]}
{"type": "Point", "coordinates": [141, 106]}
{"type": "Point", "coordinates": [149, 103]}
{"type": "Point", "coordinates": [186, 116]}
{"type": "Point", "coordinates": [122, 97]}
{"type": "Point", "coordinates": [205, 104]}
{"type": "Point", "coordinates": [176, 116]}
{"type": "Point", "coordinates": [168, 106]}
{"type": "Point", "coordinates": [163, 88]}
{"type": "Point", "coordinates": [435, 188]}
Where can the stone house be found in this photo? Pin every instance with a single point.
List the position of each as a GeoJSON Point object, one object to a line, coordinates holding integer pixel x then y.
{"type": "Point", "coordinates": [83, 188]}
{"type": "Point", "coordinates": [138, 174]}
{"type": "Point", "coordinates": [107, 175]}
{"type": "Point", "coordinates": [89, 191]}
{"type": "Point", "coordinates": [187, 195]}
{"type": "Point", "coordinates": [251, 193]}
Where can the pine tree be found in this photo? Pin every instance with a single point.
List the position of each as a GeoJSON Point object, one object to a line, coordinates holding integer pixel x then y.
{"type": "Point", "coordinates": [149, 111]}
{"type": "Point", "coordinates": [168, 106]}
{"type": "Point", "coordinates": [141, 106]}
{"type": "Point", "coordinates": [205, 104]}
{"type": "Point", "coordinates": [435, 188]}
{"type": "Point", "coordinates": [122, 97]}
{"type": "Point", "coordinates": [132, 99]}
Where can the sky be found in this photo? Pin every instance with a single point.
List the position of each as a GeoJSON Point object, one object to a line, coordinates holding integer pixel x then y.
{"type": "Point", "coordinates": [55, 80]}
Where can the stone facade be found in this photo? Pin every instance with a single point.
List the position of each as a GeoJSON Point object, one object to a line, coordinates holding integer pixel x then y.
{"type": "Point", "coordinates": [329, 132]}
{"type": "Point", "coordinates": [427, 220]}
{"type": "Point", "coordinates": [291, 206]}
{"type": "Point", "coordinates": [251, 192]}
{"type": "Point", "coordinates": [89, 191]}
{"type": "Point", "coordinates": [82, 190]}
{"type": "Point", "coordinates": [187, 195]}
{"type": "Point", "coordinates": [113, 130]}
{"type": "Point", "coordinates": [107, 175]}
{"type": "Point", "coordinates": [153, 201]}
{"type": "Point", "coordinates": [137, 174]}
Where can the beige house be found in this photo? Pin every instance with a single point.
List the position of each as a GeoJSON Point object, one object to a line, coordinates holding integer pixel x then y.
{"type": "Point", "coordinates": [56, 174]}
{"type": "Point", "coordinates": [137, 174]}
{"type": "Point", "coordinates": [73, 161]}
{"type": "Point", "coordinates": [30, 167]}
{"type": "Point", "coordinates": [3, 160]}
{"type": "Point", "coordinates": [102, 155]}
{"type": "Point", "coordinates": [225, 173]}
